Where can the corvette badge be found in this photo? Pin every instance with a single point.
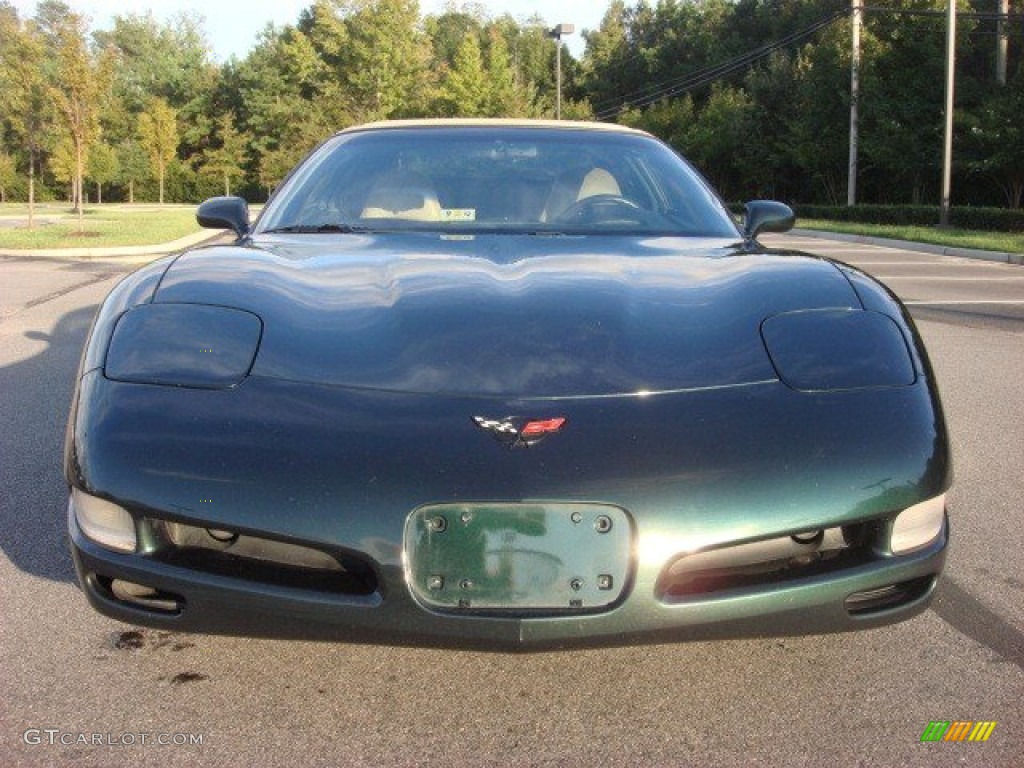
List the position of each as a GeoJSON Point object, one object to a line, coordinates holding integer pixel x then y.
{"type": "Point", "coordinates": [518, 432]}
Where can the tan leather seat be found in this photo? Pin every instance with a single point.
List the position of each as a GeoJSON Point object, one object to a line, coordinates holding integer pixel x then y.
{"type": "Point", "coordinates": [402, 195]}
{"type": "Point", "coordinates": [567, 191]}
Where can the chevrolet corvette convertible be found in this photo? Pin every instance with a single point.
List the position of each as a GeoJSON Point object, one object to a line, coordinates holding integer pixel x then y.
{"type": "Point", "coordinates": [504, 385]}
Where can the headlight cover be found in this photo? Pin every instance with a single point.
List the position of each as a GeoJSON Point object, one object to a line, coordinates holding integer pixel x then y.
{"type": "Point", "coordinates": [833, 349]}
{"type": "Point", "coordinates": [103, 522]}
{"type": "Point", "coordinates": [918, 526]}
{"type": "Point", "coordinates": [183, 345]}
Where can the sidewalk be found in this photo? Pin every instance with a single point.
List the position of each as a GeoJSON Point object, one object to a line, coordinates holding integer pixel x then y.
{"type": "Point", "coordinates": [903, 245]}
{"type": "Point", "coordinates": [86, 254]}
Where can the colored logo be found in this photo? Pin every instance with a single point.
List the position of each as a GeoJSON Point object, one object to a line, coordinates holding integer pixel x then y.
{"type": "Point", "coordinates": [519, 433]}
{"type": "Point", "coordinates": [958, 730]}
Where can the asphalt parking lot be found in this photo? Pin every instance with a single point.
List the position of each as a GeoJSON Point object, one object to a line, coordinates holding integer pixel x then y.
{"type": "Point", "coordinates": [68, 675]}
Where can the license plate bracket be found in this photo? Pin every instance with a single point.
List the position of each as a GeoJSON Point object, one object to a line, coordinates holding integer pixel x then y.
{"type": "Point", "coordinates": [518, 556]}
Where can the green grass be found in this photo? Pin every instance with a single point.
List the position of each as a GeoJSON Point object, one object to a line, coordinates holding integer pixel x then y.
{"type": "Point", "coordinates": [1005, 242]}
{"type": "Point", "coordinates": [104, 225]}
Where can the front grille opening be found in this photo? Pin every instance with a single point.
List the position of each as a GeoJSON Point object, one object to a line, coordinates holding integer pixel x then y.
{"type": "Point", "coordinates": [890, 596]}
{"type": "Point", "coordinates": [140, 595]}
{"type": "Point", "coordinates": [763, 563]}
{"type": "Point", "coordinates": [229, 553]}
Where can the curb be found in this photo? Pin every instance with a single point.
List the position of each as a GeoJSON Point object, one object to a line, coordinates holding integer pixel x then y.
{"type": "Point", "coordinates": [158, 249]}
{"type": "Point", "coordinates": [938, 250]}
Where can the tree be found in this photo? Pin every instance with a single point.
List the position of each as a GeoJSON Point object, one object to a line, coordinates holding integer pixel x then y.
{"type": "Point", "coordinates": [63, 165]}
{"type": "Point", "coordinates": [104, 167]}
{"type": "Point", "coordinates": [464, 87]}
{"type": "Point", "coordinates": [995, 141]}
{"type": "Point", "coordinates": [226, 160]}
{"type": "Point", "coordinates": [502, 96]}
{"type": "Point", "coordinates": [78, 95]}
{"type": "Point", "coordinates": [26, 99]}
{"type": "Point", "coordinates": [8, 174]}
{"type": "Point", "coordinates": [719, 136]}
{"type": "Point", "coordinates": [134, 164]}
{"type": "Point", "coordinates": [167, 60]}
{"type": "Point", "coordinates": [158, 134]}
{"type": "Point", "coordinates": [386, 59]}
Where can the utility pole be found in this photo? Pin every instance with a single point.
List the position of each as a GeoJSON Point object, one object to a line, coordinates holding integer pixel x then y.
{"type": "Point", "coordinates": [1001, 41]}
{"type": "Point", "coordinates": [556, 33]}
{"type": "Point", "coordinates": [947, 150]}
{"type": "Point", "coordinates": [851, 178]}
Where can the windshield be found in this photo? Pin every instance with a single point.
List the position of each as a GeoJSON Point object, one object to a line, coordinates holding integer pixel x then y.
{"type": "Point", "coordinates": [488, 179]}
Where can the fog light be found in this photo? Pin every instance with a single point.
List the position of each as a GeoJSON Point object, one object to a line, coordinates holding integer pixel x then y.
{"type": "Point", "coordinates": [918, 525]}
{"type": "Point", "coordinates": [103, 522]}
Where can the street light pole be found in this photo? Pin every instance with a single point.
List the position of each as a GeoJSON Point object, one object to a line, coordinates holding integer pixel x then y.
{"type": "Point", "coordinates": [947, 149]}
{"type": "Point", "coordinates": [556, 33]}
{"type": "Point", "coordinates": [851, 176]}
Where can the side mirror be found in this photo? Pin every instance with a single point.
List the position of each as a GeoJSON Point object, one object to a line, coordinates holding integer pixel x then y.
{"type": "Point", "coordinates": [767, 216]}
{"type": "Point", "coordinates": [224, 213]}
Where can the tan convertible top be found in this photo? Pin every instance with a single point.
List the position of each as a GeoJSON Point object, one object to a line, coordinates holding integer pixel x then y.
{"type": "Point", "coordinates": [495, 123]}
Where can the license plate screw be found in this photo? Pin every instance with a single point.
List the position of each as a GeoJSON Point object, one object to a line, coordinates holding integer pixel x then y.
{"type": "Point", "coordinates": [467, 517]}
{"type": "Point", "coordinates": [604, 581]}
{"type": "Point", "coordinates": [603, 524]}
{"type": "Point", "coordinates": [576, 517]}
{"type": "Point", "coordinates": [435, 583]}
{"type": "Point", "coordinates": [437, 524]}
{"type": "Point", "coordinates": [466, 584]}
{"type": "Point", "coordinates": [576, 584]}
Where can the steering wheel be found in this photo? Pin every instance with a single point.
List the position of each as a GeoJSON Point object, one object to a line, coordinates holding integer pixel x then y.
{"type": "Point", "coordinates": [601, 209]}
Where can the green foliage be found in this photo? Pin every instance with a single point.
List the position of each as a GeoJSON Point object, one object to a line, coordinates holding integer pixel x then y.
{"type": "Point", "coordinates": [133, 163]}
{"type": "Point", "coordinates": [168, 60]}
{"type": "Point", "coordinates": [78, 93]}
{"type": "Point", "coordinates": [158, 135]}
{"type": "Point", "coordinates": [103, 167]}
{"type": "Point", "coordinates": [386, 59]}
{"type": "Point", "coordinates": [63, 164]}
{"type": "Point", "coordinates": [8, 175]}
{"type": "Point", "coordinates": [964, 217]}
{"type": "Point", "coordinates": [464, 90]}
{"type": "Point", "coordinates": [777, 128]}
{"type": "Point", "coordinates": [995, 139]}
{"type": "Point", "coordinates": [225, 161]}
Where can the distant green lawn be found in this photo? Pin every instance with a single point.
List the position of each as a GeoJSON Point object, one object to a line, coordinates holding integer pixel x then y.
{"type": "Point", "coordinates": [148, 224]}
{"type": "Point", "coordinates": [56, 226]}
{"type": "Point", "coordinates": [1005, 242]}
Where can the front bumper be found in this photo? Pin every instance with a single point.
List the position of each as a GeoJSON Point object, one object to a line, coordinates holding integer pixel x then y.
{"type": "Point", "coordinates": [391, 614]}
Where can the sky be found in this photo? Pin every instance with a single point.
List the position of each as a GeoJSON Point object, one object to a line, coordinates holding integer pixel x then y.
{"type": "Point", "coordinates": [232, 25]}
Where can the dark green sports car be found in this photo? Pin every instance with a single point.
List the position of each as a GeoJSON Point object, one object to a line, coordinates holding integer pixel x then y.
{"type": "Point", "coordinates": [507, 385]}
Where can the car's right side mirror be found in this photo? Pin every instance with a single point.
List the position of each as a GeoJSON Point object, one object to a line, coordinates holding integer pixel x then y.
{"type": "Point", "coordinates": [767, 216]}
{"type": "Point", "coordinates": [224, 213]}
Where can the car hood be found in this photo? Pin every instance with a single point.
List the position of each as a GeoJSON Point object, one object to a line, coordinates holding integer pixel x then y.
{"type": "Point", "coordinates": [507, 316]}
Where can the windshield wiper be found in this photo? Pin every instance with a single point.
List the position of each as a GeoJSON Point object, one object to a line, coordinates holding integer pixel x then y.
{"type": "Point", "coordinates": [304, 229]}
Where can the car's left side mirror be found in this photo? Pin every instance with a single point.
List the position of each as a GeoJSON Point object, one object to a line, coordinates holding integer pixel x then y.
{"type": "Point", "coordinates": [767, 216]}
{"type": "Point", "coordinates": [224, 213]}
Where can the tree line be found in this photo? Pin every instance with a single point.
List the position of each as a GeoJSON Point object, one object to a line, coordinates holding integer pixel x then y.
{"type": "Point", "coordinates": [755, 92]}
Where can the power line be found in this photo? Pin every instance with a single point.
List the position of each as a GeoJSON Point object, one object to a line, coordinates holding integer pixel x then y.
{"type": "Point", "coordinates": [678, 85]}
{"type": "Point", "coordinates": [664, 86]}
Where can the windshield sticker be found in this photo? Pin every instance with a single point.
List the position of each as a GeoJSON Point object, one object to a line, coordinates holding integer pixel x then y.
{"type": "Point", "coordinates": [458, 214]}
